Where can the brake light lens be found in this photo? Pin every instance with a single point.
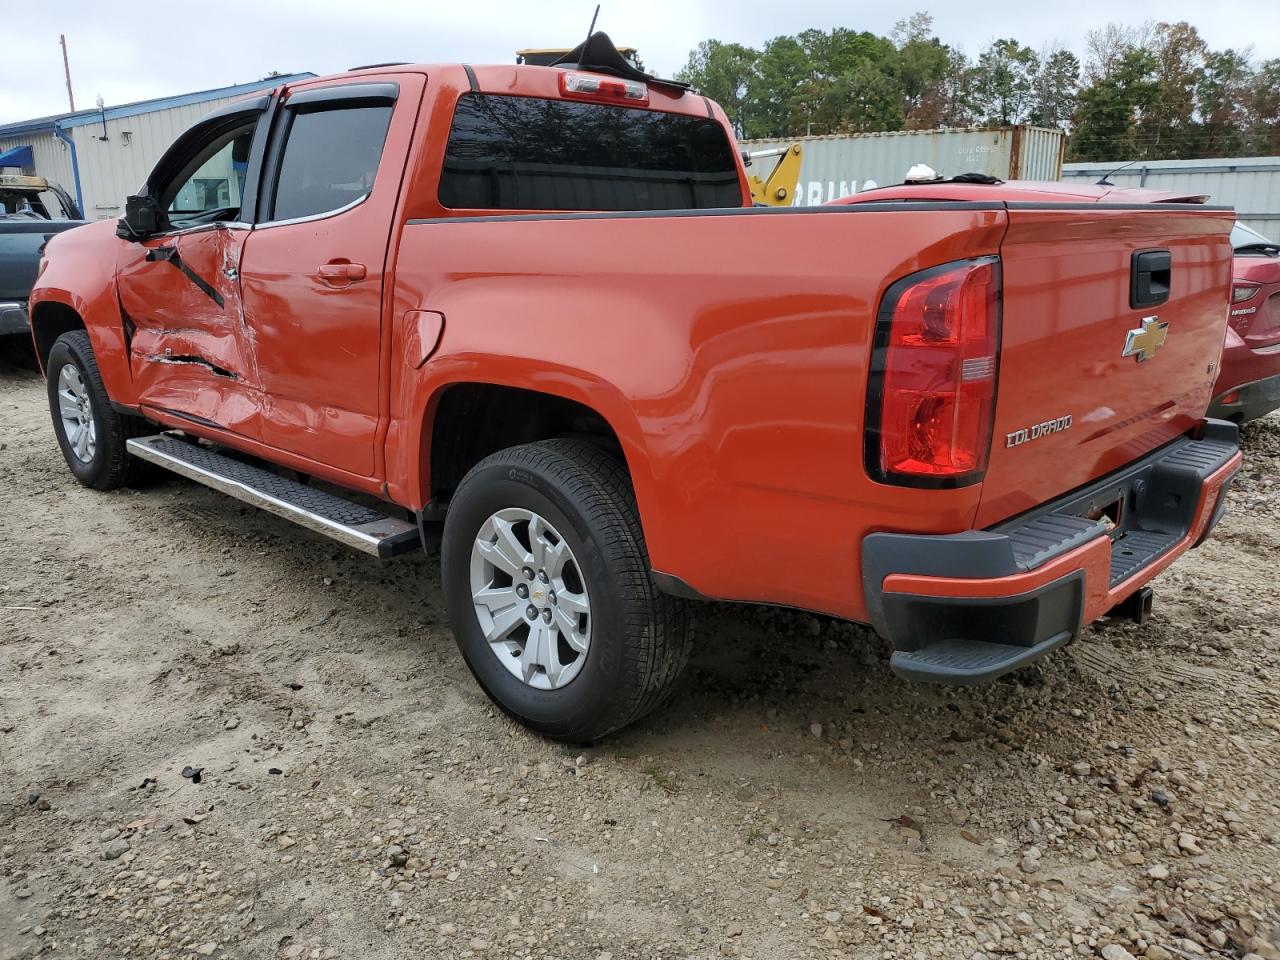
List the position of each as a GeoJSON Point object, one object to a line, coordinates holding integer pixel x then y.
{"type": "Point", "coordinates": [933, 379]}
{"type": "Point", "coordinates": [1242, 291]}
{"type": "Point", "coordinates": [583, 87]}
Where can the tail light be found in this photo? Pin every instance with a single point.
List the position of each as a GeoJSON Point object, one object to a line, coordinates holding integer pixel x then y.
{"type": "Point", "coordinates": [582, 87]}
{"type": "Point", "coordinates": [1242, 290]}
{"type": "Point", "coordinates": [932, 387]}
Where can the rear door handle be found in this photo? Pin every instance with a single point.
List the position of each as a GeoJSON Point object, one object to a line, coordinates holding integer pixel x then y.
{"type": "Point", "coordinates": [339, 273]}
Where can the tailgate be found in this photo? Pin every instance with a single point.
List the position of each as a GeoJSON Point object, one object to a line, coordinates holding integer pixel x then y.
{"type": "Point", "coordinates": [1067, 324]}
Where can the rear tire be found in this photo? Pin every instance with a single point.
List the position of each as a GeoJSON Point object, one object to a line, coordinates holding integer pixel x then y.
{"type": "Point", "coordinates": [90, 431]}
{"type": "Point", "coordinates": [616, 653]}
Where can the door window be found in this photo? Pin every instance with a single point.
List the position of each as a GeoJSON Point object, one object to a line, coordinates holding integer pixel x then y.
{"type": "Point", "coordinates": [211, 185]}
{"type": "Point", "coordinates": [330, 159]}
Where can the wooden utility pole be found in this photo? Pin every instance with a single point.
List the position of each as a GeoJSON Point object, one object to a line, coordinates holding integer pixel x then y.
{"type": "Point", "coordinates": [66, 68]}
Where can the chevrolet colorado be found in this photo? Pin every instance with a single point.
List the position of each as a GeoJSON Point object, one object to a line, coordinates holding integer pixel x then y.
{"type": "Point", "coordinates": [518, 302]}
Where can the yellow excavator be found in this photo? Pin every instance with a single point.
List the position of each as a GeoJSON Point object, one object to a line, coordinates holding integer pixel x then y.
{"type": "Point", "coordinates": [778, 189]}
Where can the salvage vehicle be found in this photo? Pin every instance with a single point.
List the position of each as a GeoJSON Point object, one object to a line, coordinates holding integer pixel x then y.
{"type": "Point", "coordinates": [31, 211]}
{"type": "Point", "coordinates": [1249, 385]}
{"type": "Point", "coordinates": [510, 303]}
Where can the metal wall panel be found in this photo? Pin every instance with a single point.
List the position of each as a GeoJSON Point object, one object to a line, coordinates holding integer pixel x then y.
{"type": "Point", "coordinates": [1040, 153]}
{"type": "Point", "coordinates": [115, 167]}
{"type": "Point", "coordinates": [1250, 184]}
{"type": "Point", "coordinates": [52, 156]}
{"type": "Point", "coordinates": [838, 165]}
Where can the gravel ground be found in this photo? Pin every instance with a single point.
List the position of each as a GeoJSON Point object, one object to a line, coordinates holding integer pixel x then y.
{"type": "Point", "coordinates": [358, 797]}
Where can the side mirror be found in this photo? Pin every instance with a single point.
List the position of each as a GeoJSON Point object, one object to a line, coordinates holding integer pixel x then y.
{"type": "Point", "coordinates": [141, 218]}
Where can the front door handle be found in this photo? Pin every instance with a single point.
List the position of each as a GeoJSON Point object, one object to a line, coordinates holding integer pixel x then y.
{"type": "Point", "coordinates": [339, 273]}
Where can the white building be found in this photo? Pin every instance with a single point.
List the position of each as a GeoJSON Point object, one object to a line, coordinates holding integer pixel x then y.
{"type": "Point", "coordinates": [102, 156]}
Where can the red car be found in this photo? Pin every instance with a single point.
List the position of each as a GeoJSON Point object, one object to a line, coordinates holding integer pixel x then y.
{"type": "Point", "coordinates": [1249, 385]}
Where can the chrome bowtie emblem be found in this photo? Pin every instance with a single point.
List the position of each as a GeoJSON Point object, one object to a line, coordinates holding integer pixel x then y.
{"type": "Point", "coordinates": [1143, 342]}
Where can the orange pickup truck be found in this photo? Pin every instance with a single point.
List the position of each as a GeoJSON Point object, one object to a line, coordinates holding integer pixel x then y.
{"type": "Point", "coordinates": [526, 303]}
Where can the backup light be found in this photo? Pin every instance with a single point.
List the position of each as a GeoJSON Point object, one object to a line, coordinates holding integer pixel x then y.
{"type": "Point", "coordinates": [605, 89]}
{"type": "Point", "coordinates": [932, 389]}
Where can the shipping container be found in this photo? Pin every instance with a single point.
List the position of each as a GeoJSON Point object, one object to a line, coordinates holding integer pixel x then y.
{"type": "Point", "coordinates": [1250, 184]}
{"type": "Point", "coordinates": [842, 164]}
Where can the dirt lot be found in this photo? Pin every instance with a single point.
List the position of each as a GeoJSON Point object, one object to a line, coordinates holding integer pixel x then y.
{"type": "Point", "coordinates": [360, 798]}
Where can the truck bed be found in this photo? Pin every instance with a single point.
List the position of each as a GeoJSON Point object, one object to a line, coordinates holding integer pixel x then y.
{"type": "Point", "coordinates": [744, 378]}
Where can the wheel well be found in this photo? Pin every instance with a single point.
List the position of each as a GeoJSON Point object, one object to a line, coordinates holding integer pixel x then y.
{"type": "Point", "coordinates": [473, 420]}
{"type": "Point", "coordinates": [48, 323]}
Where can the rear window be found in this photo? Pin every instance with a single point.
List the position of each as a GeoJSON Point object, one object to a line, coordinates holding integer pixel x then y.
{"type": "Point", "coordinates": [522, 153]}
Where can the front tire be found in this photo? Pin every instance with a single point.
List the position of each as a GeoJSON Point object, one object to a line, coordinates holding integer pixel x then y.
{"type": "Point", "coordinates": [547, 583]}
{"type": "Point", "coordinates": [90, 431]}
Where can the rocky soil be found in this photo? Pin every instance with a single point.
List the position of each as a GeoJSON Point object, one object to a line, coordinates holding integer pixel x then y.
{"type": "Point", "coordinates": [222, 736]}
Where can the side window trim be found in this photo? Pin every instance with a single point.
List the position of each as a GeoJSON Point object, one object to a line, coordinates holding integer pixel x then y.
{"type": "Point", "coordinates": [348, 95]}
{"type": "Point", "coordinates": [257, 157]}
{"type": "Point", "coordinates": [311, 100]}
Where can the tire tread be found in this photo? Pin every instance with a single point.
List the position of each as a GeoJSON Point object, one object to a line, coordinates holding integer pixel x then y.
{"type": "Point", "coordinates": [115, 428]}
{"type": "Point", "coordinates": [658, 627]}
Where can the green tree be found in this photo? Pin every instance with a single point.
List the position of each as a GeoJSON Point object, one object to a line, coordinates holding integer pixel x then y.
{"type": "Point", "coordinates": [957, 94]}
{"type": "Point", "coordinates": [1222, 104]}
{"type": "Point", "coordinates": [781, 99]}
{"type": "Point", "coordinates": [1264, 110]}
{"type": "Point", "coordinates": [722, 71]}
{"type": "Point", "coordinates": [922, 66]}
{"type": "Point", "coordinates": [1005, 82]}
{"type": "Point", "coordinates": [863, 99]}
{"type": "Point", "coordinates": [1054, 89]}
{"type": "Point", "coordinates": [1109, 110]}
{"type": "Point", "coordinates": [1167, 127]}
{"type": "Point", "coordinates": [1150, 90]}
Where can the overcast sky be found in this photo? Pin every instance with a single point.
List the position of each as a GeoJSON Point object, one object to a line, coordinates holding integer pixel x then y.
{"type": "Point", "coordinates": [125, 51]}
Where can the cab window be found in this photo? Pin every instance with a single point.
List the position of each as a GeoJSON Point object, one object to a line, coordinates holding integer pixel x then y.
{"type": "Point", "coordinates": [330, 159]}
{"type": "Point", "coordinates": [524, 153]}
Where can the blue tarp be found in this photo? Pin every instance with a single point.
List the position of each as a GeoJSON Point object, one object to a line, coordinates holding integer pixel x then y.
{"type": "Point", "coordinates": [18, 157]}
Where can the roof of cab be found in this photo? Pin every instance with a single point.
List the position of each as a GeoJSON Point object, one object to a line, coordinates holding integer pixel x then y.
{"type": "Point", "coordinates": [524, 80]}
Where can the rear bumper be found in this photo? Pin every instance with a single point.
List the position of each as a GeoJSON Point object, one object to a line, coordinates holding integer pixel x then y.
{"type": "Point", "coordinates": [1248, 401]}
{"type": "Point", "coordinates": [968, 607]}
{"type": "Point", "coordinates": [13, 317]}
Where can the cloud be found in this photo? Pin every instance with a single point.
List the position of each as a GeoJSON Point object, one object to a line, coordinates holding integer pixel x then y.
{"type": "Point", "coordinates": [128, 51]}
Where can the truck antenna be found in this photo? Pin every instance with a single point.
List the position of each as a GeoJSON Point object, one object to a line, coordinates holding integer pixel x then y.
{"type": "Point", "coordinates": [1106, 177]}
{"type": "Point", "coordinates": [592, 29]}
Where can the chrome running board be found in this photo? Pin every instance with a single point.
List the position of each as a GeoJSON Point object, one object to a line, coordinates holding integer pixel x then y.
{"type": "Point", "coordinates": [358, 526]}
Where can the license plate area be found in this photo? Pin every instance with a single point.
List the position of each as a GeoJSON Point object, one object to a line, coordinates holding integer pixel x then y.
{"type": "Point", "coordinates": [1111, 515]}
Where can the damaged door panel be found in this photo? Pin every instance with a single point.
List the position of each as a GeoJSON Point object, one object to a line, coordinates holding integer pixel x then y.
{"type": "Point", "coordinates": [315, 263]}
{"type": "Point", "coordinates": [190, 350]}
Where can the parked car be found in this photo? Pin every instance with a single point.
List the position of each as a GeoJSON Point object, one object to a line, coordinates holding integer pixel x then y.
{"type": "Point", "coordinates": [1249, 385]}
{"type": "Point", "coordinates": [511, 302]}
{"type": "Point", "coordinates": [31, 211]}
